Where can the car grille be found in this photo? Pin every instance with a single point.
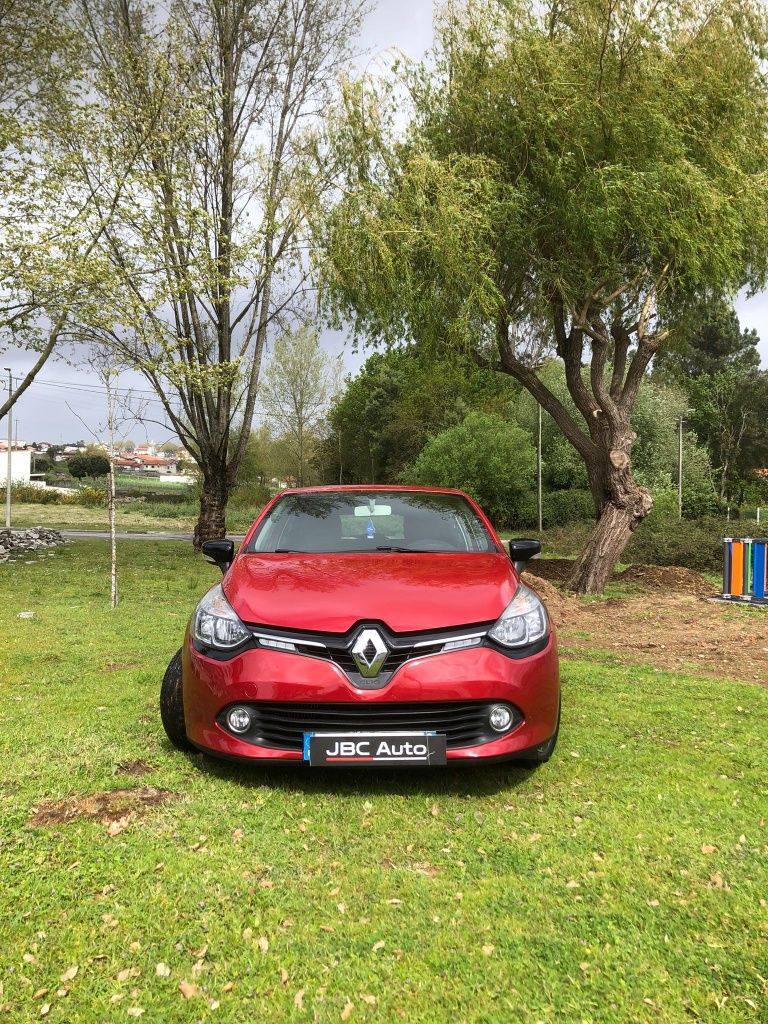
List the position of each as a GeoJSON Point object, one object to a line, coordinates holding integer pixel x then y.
{"type": "Point", "coordinates": [400, 647]}
{"type": "Point", "coordinates": [283, 724]}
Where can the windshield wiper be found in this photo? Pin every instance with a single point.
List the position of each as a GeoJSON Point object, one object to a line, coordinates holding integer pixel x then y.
{"type": "Point", "coordinates": [290, 551]}
{"type": "Point", "coordinates": [414, 551]}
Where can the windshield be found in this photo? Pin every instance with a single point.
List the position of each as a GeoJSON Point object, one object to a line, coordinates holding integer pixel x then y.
{"type": "Point", "coordinates": [339, 521]}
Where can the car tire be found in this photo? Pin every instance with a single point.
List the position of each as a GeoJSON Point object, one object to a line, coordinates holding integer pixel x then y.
{"type": "Point", "coordinates": [535, 756]}
{"type": "Point", "coordinates": [172, 705]}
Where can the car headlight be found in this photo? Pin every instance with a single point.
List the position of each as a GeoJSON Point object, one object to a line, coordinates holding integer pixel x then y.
{"type": "Point", "coordinates": [216, 624]}
{"type": "Point", "coordinates": [523, 621]}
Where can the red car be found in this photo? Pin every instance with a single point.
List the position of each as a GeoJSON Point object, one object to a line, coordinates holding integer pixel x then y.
{"type": "Point", "coordinates": [367, 626]}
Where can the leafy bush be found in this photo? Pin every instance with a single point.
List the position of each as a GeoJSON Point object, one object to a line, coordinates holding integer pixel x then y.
{"type": "Point", "coordinates": [250, 494]}
{"type": "Point", "coordinates": [31, 495]}
{"type": "Point", "coordinates": [91, 497]}
{"type": "Point", "coordinates": [88, 465]}
{"type": "Point", "coordinates": [558, 508]}
{"type": "Point", "coordinates": [693, 543]}
{"type": "Point", "coordinates": [485, 455]}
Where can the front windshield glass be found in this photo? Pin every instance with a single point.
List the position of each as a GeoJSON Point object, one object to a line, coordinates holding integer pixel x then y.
{"type": "Point", "coordinates": [337, 521]}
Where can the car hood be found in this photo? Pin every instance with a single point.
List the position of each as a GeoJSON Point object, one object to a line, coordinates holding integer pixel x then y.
{"type": "Point", "coordinates": [406, 592]}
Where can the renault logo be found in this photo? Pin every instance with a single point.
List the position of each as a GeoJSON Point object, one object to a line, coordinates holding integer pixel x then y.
{"type": "Point", "coordinates": [370, 652]}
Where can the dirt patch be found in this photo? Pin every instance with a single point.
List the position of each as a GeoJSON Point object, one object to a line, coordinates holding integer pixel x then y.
{"type": "Point", "coordinates": [119, 666]}
{"type": "Point", "coordinates": [668, 624]}
{"type": "Point", "coordinates": [557, 603]}
{"type": "Point", "coordinates": [556, 569]}
{"type": "Point", "coordinates": [108, 806]}
{"type": "Point", "coordinates": [136, 768]}
{"type": "Point", "coordinates": [667, 578]}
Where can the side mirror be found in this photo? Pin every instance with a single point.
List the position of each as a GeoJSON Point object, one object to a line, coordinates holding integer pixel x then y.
{"type": "Point", "coordinates": [219, 552]}
{"type": "Point", "coordinates": [520, 551]}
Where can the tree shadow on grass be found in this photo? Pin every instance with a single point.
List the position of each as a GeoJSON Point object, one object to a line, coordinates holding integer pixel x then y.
{"type": "Point", "coordinates": [470, 780]}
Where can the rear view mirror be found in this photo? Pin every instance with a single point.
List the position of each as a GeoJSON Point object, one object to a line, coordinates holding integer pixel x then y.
{"type": "Point", "coordinates": [219, 552]}
{"type": "Point", "coordinates": [520, 551]}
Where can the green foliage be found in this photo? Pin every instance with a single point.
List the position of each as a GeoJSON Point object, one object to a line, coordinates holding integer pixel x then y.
{"type": "Point", "coordinates": [490, 458]}
{"type": "Point", "coordinates": [695, 544]}
{"type": "Point", "coordinates": [84, 465]}
{"type": "Point", "coordinates": [91, 497]}
{"type": "Point", "coordinates": [32, 495]}
{"type": "Point", "coordinates": [398, 400]}
{"type": "Point", "coordinates": [559, 508]}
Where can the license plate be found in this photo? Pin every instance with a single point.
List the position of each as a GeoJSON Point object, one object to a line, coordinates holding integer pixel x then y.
{"type": "Point", "coordinates": [374, 748]}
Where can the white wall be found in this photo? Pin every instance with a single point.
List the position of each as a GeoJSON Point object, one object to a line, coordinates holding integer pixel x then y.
{"type": "Point", "coordinates": [21, 466]}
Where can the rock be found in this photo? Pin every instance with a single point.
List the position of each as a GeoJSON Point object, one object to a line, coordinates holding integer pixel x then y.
{"type": "Point", "coordinates": [15, 543]}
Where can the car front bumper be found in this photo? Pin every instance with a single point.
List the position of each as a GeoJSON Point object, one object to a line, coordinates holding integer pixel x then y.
{"type": "Point", "coordinates": [258, 676]}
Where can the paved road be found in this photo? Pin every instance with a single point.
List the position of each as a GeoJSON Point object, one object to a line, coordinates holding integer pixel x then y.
{"type": "Point", "coordinates": [102, 535]}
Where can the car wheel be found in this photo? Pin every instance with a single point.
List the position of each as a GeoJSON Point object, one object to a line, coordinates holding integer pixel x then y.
{"type": "Point", "coordinates": [541, 754]}
{"type": "Point", "coordinates": [172, 705]}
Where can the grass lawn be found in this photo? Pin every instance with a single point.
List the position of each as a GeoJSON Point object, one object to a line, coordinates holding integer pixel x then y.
{"type": "Point", "coordinates": [131, 517]}
{"type": "Point", "coordinates": [626, 881]}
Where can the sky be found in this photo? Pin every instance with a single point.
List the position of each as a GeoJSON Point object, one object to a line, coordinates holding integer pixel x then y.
{"type": "Point", "coordinates": [66, 402]}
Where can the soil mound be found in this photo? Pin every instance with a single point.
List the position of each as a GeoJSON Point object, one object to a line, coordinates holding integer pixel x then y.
{"type": "Point", "coordinates": [667, 578]}
{"type": "Point", "coordinates": [557, 604]}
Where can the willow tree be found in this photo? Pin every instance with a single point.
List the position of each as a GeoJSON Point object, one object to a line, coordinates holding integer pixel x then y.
{"type": "Point", "coordinates": [205, 109]}
{"type": "Point", "coordinates": [570, 174]}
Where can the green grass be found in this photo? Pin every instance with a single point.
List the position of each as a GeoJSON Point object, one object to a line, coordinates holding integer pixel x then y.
{"type": "Point", "coordinates": [131, 517]}
{"type": "Point", "coordinates": [579, 893]}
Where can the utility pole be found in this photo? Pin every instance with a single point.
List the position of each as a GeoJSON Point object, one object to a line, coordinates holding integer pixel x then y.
{"type": "Point", "coordinates": [8, 470]}
{"type": "Point", "coordinates": [538, 477]}
{"type": "Point", "coordinates": [680, 468]}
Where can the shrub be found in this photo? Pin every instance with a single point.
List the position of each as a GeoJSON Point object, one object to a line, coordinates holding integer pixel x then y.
{"type": "Point", "coordinates": [692, 543]}
{"type": "Point", "coordinates": [91, 497]}
{"type": "Point", "coordinates": [485, 455]}
{"type": "Point", "coordinates": [31, 495]}
{"type": "Point", "coordinates": [88, 465]}
{"type": "Point", "coordinates": [559, 508]}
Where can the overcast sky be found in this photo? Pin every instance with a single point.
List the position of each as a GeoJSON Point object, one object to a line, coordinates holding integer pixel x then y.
{"type": "Point", "coordinates": [44, 413]}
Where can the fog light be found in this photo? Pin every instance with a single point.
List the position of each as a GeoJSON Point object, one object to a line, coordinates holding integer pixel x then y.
{"type": "Point", "coordinates": [239, 719]}
{"type": "Point", "coordinates": [500, 718]}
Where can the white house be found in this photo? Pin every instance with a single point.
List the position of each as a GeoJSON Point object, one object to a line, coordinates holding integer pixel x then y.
{"type": "Point", "coordinates": [21, 465]}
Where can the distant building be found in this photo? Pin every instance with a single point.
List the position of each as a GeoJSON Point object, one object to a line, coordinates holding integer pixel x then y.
{"type": "Point", "coordinates": [21, 464]}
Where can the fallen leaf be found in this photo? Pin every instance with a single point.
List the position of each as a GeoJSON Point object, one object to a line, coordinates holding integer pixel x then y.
{"type": "Point", "coordinates": [136, 1011]}
{"type": "Point", "coordinates": [573, 884]}
{"type": "Point", "coordinates": [114, 828]}
{"type": "Point", "coordinates": [266, 883]}
{"type": "Point", "coordinates": [238, 834]}
{"type": "Point", "coordinates": [135, 947]}
{"type": "Point", "coordinates": [653, 903]}
{"type": "Point", "coordinates": [28, 958]}
{"type": "Point", "coordinates": [247, 934]}
{"type": "Point", "coordinates": [369, 999]}
{"type": "Point", "coordinates": [707, 848]}
{"type": "Point", "coordinates": [283, 976]}
{"type": "Point", "coordinates": [378, 945]}
{"type": "Point", "coordinates": [341, 907]}
{"type": "Point", "coordinates": [394, 903]}
{"type": "Point", "coordinates": [263, 943]}
{"type": "Point", "coordinates": [228, 987]}
{"type": "Point", "coordinates": [327, 928]}
{"type": "Point", "coordinates": [214, 1004]}
{"type": "Point", "coordinates": [298, 999]}
{"type": "Point", "coordinates": [69, 974]}
{"type": "Point", "coordinates": [38, 995]}
{"type": "Point", "coordinates": [717, 880]}
{"type": "Point", "coordinates": [62, 992]}
{"type": "Point", "coordinates": [128, 972]}
{"type": "Point", "coordinates": [584, 966]}
{"type": "Point", "coordinates": [198, 954]}
{"type": "Point", "coordinates": [188, 990]}
{"type": "Point", "coordinates": [162, 970]}
{"type": "Point", "coordinates": [45, 1009]}
{"type": "Point", "coordinates": [117, 997]}
{"type": "Point", "coordinates": [346, 1013]}
{"type": "Point", "coordinates": [435, 810]}
{"type": "Point", "coordinates": [488, 950]}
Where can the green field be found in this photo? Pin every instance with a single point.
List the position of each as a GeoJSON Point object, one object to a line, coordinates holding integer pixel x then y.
{"type": "Point", "coordinates": [626, 881]}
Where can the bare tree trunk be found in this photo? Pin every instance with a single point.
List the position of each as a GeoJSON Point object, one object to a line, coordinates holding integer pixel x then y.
{"type": "Point", "coordinates": [621, 505]}
{"type": "Point", "coordinates": [211, 522]}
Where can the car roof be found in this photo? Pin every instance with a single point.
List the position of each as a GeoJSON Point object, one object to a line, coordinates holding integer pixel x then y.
{"type": "Point", "coordinates": [356, 488]}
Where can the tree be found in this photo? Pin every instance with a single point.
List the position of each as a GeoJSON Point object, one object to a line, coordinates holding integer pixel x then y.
{"type": "Point", "coordinates": [213, 104]}
{"type": "Point", "coordinates": [299, 383]}
{"type": "Point", "coordinates": [49, 269]}
{"type": "Point", "coordinates": [709, 340]}
{"type": "Point", "coordinates": [84, 465]}
{"type": "Point", "coordinates": [398, 400]}
{"type": "Point", "coordinates": [475, 456]}
{"type": "Point", "coordinates": [571, 176]}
